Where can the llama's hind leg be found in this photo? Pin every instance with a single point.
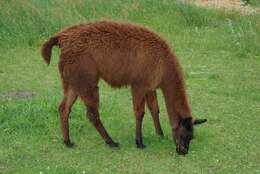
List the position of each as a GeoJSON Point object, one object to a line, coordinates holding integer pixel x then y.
{"type": "Point", "coordinates": [152, 103]}
{"type": "Point", "coordinates": [90, 96]}
{"type": "Point", "coordinates": [64, 110]}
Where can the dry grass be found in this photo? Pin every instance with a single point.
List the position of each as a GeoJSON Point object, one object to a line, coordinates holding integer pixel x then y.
{"type": "Point", "coordinates": [234, 5]}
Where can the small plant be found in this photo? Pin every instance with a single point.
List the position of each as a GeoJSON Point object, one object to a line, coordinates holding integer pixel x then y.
{"type": "Point", "coordinates": [244, 2]}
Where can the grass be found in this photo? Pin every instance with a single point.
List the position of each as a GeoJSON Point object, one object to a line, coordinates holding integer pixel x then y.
{"type": "Point", "coordinates": [219, 53]}
{"type": "Point", "coordinates": [254, 3]}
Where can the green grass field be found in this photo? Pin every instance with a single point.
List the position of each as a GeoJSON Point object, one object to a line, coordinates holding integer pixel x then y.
{"type": "Point", "coordinates": [220, 56]}
{"type": "Point", "coordinates": [254, 3]}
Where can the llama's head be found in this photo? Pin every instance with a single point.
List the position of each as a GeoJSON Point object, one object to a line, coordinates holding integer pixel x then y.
{"type": "Point", "coordinates": [183, 134]}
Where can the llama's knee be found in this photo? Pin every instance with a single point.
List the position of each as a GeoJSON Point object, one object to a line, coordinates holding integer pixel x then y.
{"type": "Point", "coordinates": [154, 108]}
{"type": "Point", "coordinates": [63, 109]}
{"type": "Point", "coordinates": [93, 117]}
{"type": "Point", "coordinates": [139, 115]}
{"type": "Point", "coordinates": [155, 111]}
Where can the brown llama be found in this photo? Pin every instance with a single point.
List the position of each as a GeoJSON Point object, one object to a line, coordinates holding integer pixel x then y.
{"type": "Point", "coordinates": [122, 55]}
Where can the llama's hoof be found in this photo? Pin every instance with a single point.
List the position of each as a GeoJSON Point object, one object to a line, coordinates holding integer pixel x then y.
{"type": "Point", "coordinates": [69, 144]}
{"type": "Point", "coordinates": [113, 144]}
{"type": "Point", "coordinates": [140, 145]}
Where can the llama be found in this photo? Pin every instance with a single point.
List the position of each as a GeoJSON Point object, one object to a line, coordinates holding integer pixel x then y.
{"type": "Point", "coordinates": [122, 55]}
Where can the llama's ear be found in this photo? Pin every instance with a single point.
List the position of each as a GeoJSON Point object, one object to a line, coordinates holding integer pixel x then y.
{"type": "Point", "coordinates": [199, 121]}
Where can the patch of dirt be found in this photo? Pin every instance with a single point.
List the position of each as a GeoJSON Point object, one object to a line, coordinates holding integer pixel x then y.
{"type": "Point", "coordinates": [18, 94]}
{"type": "Point", "coordinates": [232, 5]}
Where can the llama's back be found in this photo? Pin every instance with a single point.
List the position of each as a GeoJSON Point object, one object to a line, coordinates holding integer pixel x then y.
{"type": "Point", "coordinates": [122, 54]}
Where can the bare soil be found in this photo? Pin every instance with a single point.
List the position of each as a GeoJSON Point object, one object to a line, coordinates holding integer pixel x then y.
{"type": "Point", "coordinates": [18, 94]}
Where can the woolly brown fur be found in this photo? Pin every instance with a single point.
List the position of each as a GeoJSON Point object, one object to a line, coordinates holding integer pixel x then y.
{"type": "Point", "coordinates": [122, 55]}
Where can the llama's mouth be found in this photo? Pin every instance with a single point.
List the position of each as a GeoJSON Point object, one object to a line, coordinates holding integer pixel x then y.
{"type": "Point", "coordinates": [181, 150]}
{"type": "Point", "coordinates": [182, 147]}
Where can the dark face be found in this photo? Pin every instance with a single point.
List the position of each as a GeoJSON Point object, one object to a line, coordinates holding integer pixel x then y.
{"type": "Point", "coordinates": [183, 135]}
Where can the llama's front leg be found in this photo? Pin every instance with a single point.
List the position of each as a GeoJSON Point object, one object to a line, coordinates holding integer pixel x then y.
{"type": "Point", "coordinates": [138, 104]}
{"type": "Point", "coordinates": [152, 103]}
{"type": "Point", "coordinates": [91, 100]}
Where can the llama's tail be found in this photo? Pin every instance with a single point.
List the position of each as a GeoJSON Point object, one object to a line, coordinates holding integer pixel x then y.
{"type": "Point", "coordinates": [46, 48]}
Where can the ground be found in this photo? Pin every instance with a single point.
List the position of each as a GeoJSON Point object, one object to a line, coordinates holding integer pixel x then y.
{"type": "Point", "coordinates": [219, 54]}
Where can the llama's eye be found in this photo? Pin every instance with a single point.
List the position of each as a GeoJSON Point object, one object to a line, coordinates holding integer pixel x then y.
{"type": "Point", "coordinates": [186, 138]}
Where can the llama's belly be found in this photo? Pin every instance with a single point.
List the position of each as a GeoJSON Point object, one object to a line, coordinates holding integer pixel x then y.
{"type": "Point", "coordinates": [122, 72]}
{"type": "Point", "coordinates": [116, 83]}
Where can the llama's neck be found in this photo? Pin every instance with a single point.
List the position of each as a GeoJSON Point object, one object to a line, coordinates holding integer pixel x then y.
{"type": "Point", "coordinates": [174, 92]}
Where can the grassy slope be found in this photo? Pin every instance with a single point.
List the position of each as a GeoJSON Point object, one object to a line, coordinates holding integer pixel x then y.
{"type": "Point", "coordinates": [220, 56]}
